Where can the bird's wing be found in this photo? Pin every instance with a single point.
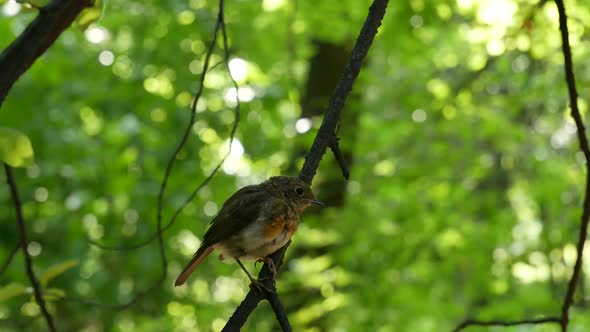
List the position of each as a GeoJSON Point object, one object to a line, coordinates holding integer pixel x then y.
{"type": "Point", "coordinates": [239, 211]}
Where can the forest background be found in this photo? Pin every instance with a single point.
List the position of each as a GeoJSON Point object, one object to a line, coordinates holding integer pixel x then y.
{"type": "Point", "coordinates": [466, 177]}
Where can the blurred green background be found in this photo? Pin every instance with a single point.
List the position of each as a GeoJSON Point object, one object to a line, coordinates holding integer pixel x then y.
{"type": "Point", "coordinates": [466, 180]}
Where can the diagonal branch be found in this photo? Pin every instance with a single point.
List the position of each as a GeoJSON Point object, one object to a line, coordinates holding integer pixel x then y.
{"type": "Point", "coordinates": [474, 322]}
{"type": "Point", "coordinates": [581, 131]}
{"type": "Point", "coordinates": [52, 20]}
{"type": "Point", "coordinates": [322, 140]}
{"type": "Point", "coordinates": [23, 244]}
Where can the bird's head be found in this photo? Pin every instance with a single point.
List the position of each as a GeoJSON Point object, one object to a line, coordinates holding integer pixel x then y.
{"type": "Point", "coordinates": [295, 190]}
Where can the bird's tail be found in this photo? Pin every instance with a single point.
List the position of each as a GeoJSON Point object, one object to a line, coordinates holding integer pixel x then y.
{"type": "Point", "coordinates": [199, 256]}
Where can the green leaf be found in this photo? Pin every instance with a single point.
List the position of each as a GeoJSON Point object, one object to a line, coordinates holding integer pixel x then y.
{"type": "Point", "coordinates": [53, 294]}
{"type": "Point", "coordinates": [89, 15]}
{"type": "Point", "coordinates": [15, 148]}
{"type": "Point", "coordinates": [57, 270]}
{"type": "Point", "coordinates": [11, 290]}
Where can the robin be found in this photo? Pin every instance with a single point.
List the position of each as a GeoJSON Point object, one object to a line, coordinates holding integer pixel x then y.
{"type": "Point", "coordinates": [254, 222]}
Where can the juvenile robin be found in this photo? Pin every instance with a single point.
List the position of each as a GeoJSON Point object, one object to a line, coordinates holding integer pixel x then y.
{"type": "Point", "coordinates": [254, 222]}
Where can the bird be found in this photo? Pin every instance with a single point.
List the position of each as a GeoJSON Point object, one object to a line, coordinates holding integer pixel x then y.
{"type": "Point", "coordinates": [254, 222]}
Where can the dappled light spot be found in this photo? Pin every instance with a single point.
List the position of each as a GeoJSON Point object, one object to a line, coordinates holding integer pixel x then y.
{"type": "Point", "coordinates": [131, 216]}
{"type": "Point", "coordinates": [439, 88]}
{"type": "Point", "coordinates": [100, 206]}
{"type": "Point", "coordinates": [125, 324]}
{"type": "Point", "coordinates": [180, 310]}
{"type": "Point", "coordinates": [419, 115]}
{"type": "Point", "coordinates": [303, 125]}
{"type": "Point", "coordinates": [41, 194]}
{"type": "Point", "coordinates": [30, 309]}
{"type": "Point", "coordinates": [124, 39]}
{"type": "Point", "coordinates": [198, 47]}
{"type": "Point", "coordinates": [353, 187]}
{"type": "Point", "coordinates": [499, 286]}
{"type": "Point", "coordinates": [208, 135]}
{"type": "Point", "coordinates": [129, 124]}
{"type": "Point", "coordinates": [564, 135]}
{"type": "Point", "coordinates": [238, 69]}
{"type": "Point", "coordinates": [200, 290]}
{"type": "Point", "coordinates": [416, 21]}
{"type": "Point", "coordinates": [450, 238]}
{"type": "Point", "coordinates": [495, 47]}
{"type": "Point", "coordinates": [477, 61]}
{"type": "Point", "coordinates": [184, 99]}
{"type": "Point", "coordinates": [520, 63]}
{"type": "Point", "coordinates": [4, 312]}
{"type": "Point", "coordinates": [237, 149]}
{"type": "Point", "coordinates": [158, 115]}
{"type": "Point", "coordinates": [195, 67]}
{"type": "Point", "coordinates": [569, 254]}
{"type": "Point", "coordinates": [159, 85]}
{"type": "Point", "coordinates": [387, 227]}
{"type": "Point", "coordinates": [90, 222]}
{"type": "Point", "coordinates": [245, 94]}
{"type": "Point", "coordinates": [272, 5]}
{"type": "Point", "coordinates": [235, 162]}
{"type": "Point", "coordinates": [443, 11]}
{"type": "Point", "coordinates": [33, 171]}
{"type": "Point", "coordinates": [92, 123]}
{"type": "Point", "coordinates": [523, 272]}
{"type": "Point", "coordinates": [185, 17]}
{"type": "Point", "coordinates": [188, 242]}
{"type": "Point", "coordinates": [11, 8]}
{"type": "Point", "coordinates": [210, 209]}
{"type": "Point", "coordinates": [106, 58]}
{"type": "Point", "coordinates": [73, 202]}
{"type": "Point", "coordinates": [384, 167]}
{"type": "Point", "coordinates": [498, 13]}
{"type": "Point", "coordinates": [34, 248]}
{"type": "Point", "coordinates": [123, 67]}
{"type": "Point", "coordinates": [96, 34]}
{"type": "Point", "coordinates": [449, 112]}
{"type": "Point", "coordinates": [226, 288]}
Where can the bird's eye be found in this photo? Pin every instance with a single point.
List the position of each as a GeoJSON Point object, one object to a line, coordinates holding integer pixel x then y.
{"type": "Point", "coordinates": [299, 191]}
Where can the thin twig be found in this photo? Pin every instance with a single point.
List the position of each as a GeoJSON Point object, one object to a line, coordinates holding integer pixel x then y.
{"type": "Point", "coordinates": [8, 260]}
{"type": "Point", "coordinates": [280, 313]}
{"type": "Point", "coordinates": [583, 140]}
{"type": "Point", "coordinates": [23, 244]}
{"type": "Point", "coordinates": [220, 25]}
{"type": "Point", "coordinates": [474, 322]}
{"type": "Point", "coordinates": [335, 147]}
{"type": "Point", "coordinates": [319, 146]}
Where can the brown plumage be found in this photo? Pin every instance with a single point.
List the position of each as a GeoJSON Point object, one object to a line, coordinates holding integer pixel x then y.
{"type": "Point", "coordinates": [254, 222]}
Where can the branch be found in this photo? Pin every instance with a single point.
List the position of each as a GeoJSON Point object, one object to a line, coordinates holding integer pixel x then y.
{"type": "Point", "coordinates": [318, 149]}
{"type": "Point", "coordinates": [581, 131]}
{"type": "Point", "coordinates": [52, 20]}
{"type": "Point", "coordinates": [474, 322]}
{"type": "Point", "coordinates": [23, 244]}
{"type": "Point", "coordinates": [8, 260]}
{"type": "Point", "coordinates": [335, 147]}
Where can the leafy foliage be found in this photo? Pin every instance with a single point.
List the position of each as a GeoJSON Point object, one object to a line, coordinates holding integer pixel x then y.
{"type": "Point", "coordinates": [465, 187]}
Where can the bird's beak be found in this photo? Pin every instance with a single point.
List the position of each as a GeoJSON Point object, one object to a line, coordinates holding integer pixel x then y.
{"type": "Point", "coordinates": [316, 202]}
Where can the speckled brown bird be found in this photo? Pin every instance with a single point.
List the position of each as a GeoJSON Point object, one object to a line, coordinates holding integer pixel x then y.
{"type": "Point", "coordinates": [254, 222]}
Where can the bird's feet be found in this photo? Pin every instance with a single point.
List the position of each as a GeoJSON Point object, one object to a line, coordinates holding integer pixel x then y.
{"type": "Point", "coordinates": [271, 265]}
{"type": "Point", "coordinates": [260, 286]}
